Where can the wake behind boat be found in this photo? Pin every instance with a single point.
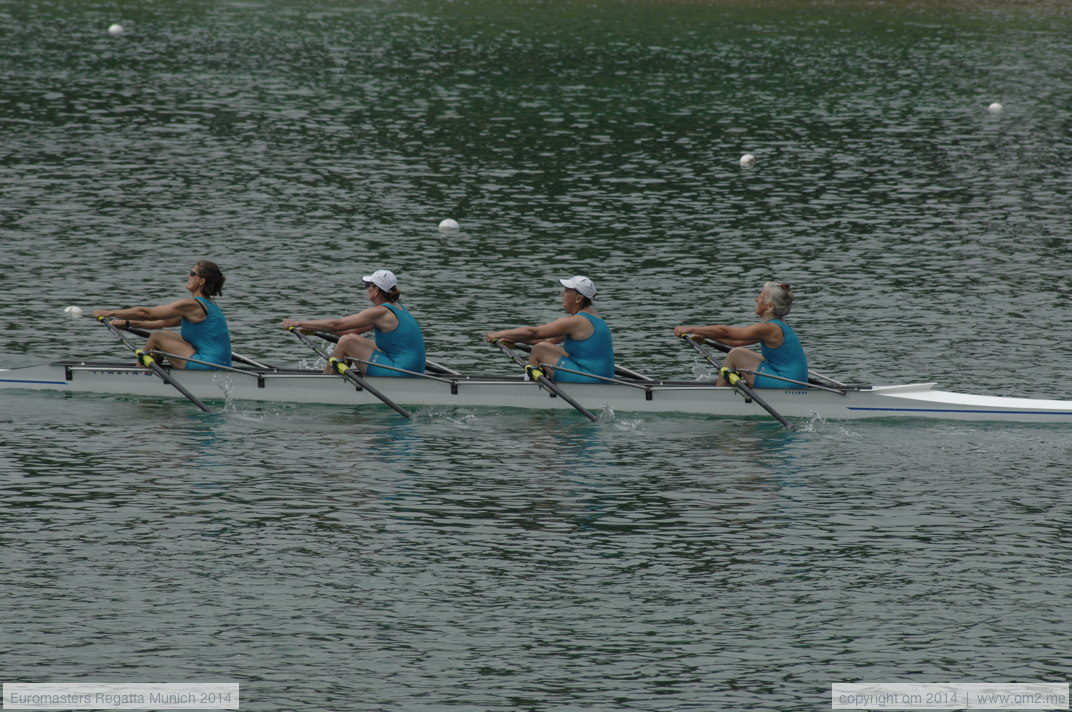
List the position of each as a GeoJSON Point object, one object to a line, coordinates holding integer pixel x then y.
{"type": "Point", "coordinates": [247, 383]}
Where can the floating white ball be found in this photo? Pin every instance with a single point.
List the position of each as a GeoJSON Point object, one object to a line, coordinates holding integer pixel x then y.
{"type": "Point", "coordinates": [74, 311]}
{"type": "Point", "coordinates": [995, 108]}
{"type": "Point", "coordinates": [747, 160]}
{"type": "Point", "coordinates": [115, 29]}
{"type": "Point", "coordinates": [449, 224]}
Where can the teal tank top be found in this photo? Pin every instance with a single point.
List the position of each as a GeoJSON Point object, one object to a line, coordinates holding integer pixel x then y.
{"type": "Point", "coordinates": [788, 360]}
{"type": "Point", "coordinates": [210, 337]}
{"type": "Point", "coordinates": [592, 355]}
{"type": "Point", "coordinates": [401, 348]}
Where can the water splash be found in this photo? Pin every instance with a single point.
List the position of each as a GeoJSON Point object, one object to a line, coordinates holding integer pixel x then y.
{"type": "Point", "coordinates": [703, 372]}
{"type": "Point", "coordinates": [607, 416]}
{"type": "Point", "coordinates": [225, 382]}
{"type": "Point", "coordinates": [449, 416]}
{"type": "Point", "coordinates": [629, 424]}
{"type": "Point", "coordinates": [818, 424]}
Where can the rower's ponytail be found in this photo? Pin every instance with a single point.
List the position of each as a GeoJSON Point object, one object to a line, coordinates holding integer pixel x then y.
{"type": "Point", "coordinates": [210, 272]}
{"type": "Point", "coordinates": [780, 296]}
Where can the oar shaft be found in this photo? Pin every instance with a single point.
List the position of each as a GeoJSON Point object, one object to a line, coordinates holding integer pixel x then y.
{"type": "Point", "coordinates": [814, 375]}
{"type": "Point", "coordinates": [537, 375]}
{"type": "Point", "coordinates": [737, 381]}
{"type": "Point", "coordinates": [428, 364]}
{"type": "Point", "coordinates": [630, 373]}
{"type": "Point", "coordinates": [618, 370]}
{"type": "Point", "coordinates": [340, 367]}
{"type": "Point", "coordinates": [741, 385]}
{"type": "Point", "coordinates": [149, 362]}
{"type": "Point", "coordinates": [234, 356]}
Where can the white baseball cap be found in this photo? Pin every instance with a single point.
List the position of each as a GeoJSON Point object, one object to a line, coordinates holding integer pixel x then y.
{"type": "Point", "coordinates": [580, 284]}
{"type": "Point", "coordinates": [382, 278]}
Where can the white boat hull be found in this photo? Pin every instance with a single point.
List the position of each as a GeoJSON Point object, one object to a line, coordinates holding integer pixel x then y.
{"type": "Point", "coordinates": [917, 400]}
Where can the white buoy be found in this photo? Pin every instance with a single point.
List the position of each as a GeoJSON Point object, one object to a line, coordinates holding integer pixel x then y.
{"type": "Point", "coordinates": [995, 108]}
{"type": "Point", "coordinates": [115, 29]}
{"type": "Point", "coordinates": [449, 224]}
{"type": "Point", "coordinates": [747, 160]}
{"type": "Point", "coordinates": [74, 311]}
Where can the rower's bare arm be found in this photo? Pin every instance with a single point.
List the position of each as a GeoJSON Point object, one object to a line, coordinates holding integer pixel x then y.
{"type": "Point", "coordinates": [729, 335]}
{"type": "Point", "coordinates": [352, 324]}
{"type": "Point", "coordinates": [360, 330]}
{"type": "Point", "coordinates": [157, 324]}
{"type": "Point", "coordinates": [747, 335]}
{"type": "Point", "coordinates": [307, 324]}
{"type": "Point", "coordinates": [517, 335]}
{"type": "Point", "coordinates": [715, 332]}
{"type": "Point", "coordinates": [684, 330]}
{"type": "Point", "coordinates": [161, 316]}
{"type": "Point", "coordinates": [576, 327]}
{"type": "Point", "coordinates": [552, 331]}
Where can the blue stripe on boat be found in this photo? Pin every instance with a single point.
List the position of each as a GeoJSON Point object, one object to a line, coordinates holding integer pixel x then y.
{"type": "Point", "coordinates": [22, 380]}
{"type": "Point", "coordinates": [961, 410]}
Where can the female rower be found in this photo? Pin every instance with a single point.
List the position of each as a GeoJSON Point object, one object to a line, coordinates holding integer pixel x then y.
{"type": "Point", "coordinates": [585, 339]}
{"type": "Point", "coordinates": [399, 341]}
{"type": "Point", "coordinates": [203, 333]}
{"type": "Point", "coordinates": [780, 351]}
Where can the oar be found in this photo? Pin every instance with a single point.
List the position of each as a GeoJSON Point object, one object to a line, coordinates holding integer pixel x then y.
{"type": "Point", "coordinates": [340, 367]}
{"type": "Point", "coordinates": [537, 375]}
{"type": "Point", "coordinates": [618, 370]}
{"type": "Point", "coordinates": [428, 364]}
{"type": "Point", "coordinates": [147, 360]}
{"type": "Point", "coordinates": [816, 377]}
{"type": "Point", "coordinates": [737, 382]}
{"type": "Point", "coordinates": [234, 356]}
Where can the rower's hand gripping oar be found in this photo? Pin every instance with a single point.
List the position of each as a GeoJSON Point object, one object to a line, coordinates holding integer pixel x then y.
{"type": "Point", "coordinates": [146, 359]}
{"type": "Point", "coordinates": [343, 369]}
{"type": "Point", "coordinates": [736, 380]}
{"type": "Point", "coordinates": [541, 379]}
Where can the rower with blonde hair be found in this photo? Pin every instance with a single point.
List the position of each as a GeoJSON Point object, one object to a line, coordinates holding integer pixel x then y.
{"type": "Point", "coordinates": [780, 351]}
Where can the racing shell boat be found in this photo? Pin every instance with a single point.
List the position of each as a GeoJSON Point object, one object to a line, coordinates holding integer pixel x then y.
{"type": "Point", "coordinates": [247, 383]}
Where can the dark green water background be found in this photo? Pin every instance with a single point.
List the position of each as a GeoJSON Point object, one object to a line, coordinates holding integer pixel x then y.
{"type": "Point", "coordinates": [329, 558]}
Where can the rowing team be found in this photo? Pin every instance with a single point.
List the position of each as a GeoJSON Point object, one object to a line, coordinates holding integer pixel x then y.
{"type": "Point", "coordinates": [578, 344]}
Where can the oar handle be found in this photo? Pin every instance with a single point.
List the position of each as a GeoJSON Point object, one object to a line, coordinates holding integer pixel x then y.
{"type": "Point", "coordinates": [507, 348]}
{"type": "Point", "coordinates": [693, 341]}
{"type": "Point", "coordinates": [343, 369]}
{"type": "Point", "coordinates": [697, 339]}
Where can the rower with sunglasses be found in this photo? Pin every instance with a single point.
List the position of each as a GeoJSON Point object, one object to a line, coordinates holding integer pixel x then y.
{"type": "Point", "coordinates": [398, 343]}
{"type": "Point", "coordinates": [203, 337]}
